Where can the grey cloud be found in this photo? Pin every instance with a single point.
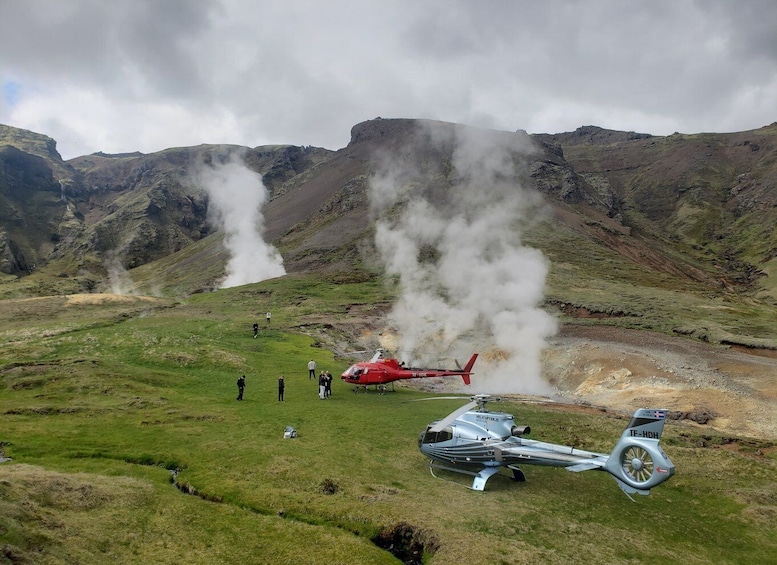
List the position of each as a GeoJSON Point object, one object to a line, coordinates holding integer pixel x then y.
{"type": "Point", "coordinates": [304, 72]}
{"type": "Point", "coordinates": [107, 43]}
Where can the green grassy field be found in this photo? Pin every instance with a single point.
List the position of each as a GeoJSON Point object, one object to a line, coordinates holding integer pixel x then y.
{"type": "Point", "coordinates": [128, 445]}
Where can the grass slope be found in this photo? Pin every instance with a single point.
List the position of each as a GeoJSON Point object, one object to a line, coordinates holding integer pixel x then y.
{"type": "Point", "coordinates": [586, 276]}
{"type": "Point", "coordinates": [107, 406]}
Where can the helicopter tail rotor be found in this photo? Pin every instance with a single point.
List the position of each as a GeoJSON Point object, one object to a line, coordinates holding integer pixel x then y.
{"type": "Point", "coordinates": [638, 463]}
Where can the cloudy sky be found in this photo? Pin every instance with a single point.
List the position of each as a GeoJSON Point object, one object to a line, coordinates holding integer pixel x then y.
{"type": "Point", "coordinates": [127, 75]}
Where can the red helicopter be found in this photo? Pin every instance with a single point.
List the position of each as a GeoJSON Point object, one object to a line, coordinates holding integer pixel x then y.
{"type": "Point", "coordinates": [380, 371]}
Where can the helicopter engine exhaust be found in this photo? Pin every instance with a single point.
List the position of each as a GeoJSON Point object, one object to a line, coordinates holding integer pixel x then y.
{"type": "Point", "coordinates": [519, 431]}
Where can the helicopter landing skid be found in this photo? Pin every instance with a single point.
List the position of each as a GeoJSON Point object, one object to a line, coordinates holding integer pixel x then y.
{"type": "Point", "coordinates": [478, 483]}
{"type": "Point", "coordinates": [380, 389]}
{"type": "Point", "coordinates": [481, 477]}
{"type": "Point", "coordinates": [518, 475]}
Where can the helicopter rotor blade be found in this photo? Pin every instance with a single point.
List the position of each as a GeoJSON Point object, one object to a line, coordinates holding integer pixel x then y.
{"type": "Point", "coordinates": [438, 398]}
{"type": "Point", "coordinates": [350, 354]}
{"type": "Point", "coordinates": [441, 425]}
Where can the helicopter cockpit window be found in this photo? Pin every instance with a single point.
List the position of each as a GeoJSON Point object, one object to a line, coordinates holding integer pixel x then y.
{"type": "Point", "coordinates": [436, 437]}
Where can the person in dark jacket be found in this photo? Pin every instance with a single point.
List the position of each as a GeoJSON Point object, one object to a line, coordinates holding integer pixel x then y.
{"type": "Point", "coordinates": [281, 387]}
{"type": "Point", "coordinates": [241, 384]}
{"type": "Point", "coordinates": [322, 385]}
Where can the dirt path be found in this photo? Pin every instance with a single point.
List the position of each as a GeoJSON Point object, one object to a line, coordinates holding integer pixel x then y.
{"type": "Point", "coordinates": [621, 369]}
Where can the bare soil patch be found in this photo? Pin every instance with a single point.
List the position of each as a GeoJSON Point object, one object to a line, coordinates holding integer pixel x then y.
{"type": "Point", "coordinates": [103, 298]}
{"type": "Point", "coordinates": [624, 369]}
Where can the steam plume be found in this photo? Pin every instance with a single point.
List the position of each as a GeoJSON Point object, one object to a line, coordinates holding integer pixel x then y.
{"type": "Point", "coordinates": [451, 235]}
{"type": "Point", "coordinates": [119, 278]}
{"type": "Point", "coordinates": [237, 195]}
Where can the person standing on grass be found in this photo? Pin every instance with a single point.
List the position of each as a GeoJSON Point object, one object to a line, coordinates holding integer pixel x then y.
{"type": "Point", "coordinates": [267, 317]}
{"type": "Point", "coordinates": [328, 385]}
{"type": "Point", "coordinates": [322, 385]}
{"type": "Point", "coordinates": [241, 384]}
{"type": "Point", "coordinates": [311, 370]}
{"type": "Point", "coordinates": [256, 329]}
{"type": "Point", "coordinates": [281, 387]}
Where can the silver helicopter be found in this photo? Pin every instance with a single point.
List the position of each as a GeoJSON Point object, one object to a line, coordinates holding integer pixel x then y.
{"type": "Point", "coordinates": [476, 442]}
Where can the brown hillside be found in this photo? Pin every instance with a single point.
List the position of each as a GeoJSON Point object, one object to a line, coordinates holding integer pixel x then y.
{"type": "Point", "coordinates": [690, 206]}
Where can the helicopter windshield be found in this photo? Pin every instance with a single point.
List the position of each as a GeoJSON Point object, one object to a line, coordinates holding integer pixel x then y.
{"type": "Point", "coordinates": [436, 437]}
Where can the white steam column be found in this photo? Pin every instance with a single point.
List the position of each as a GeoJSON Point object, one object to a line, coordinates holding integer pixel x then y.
{"type": "Point", "coordinates": [467, 283]}
{"type": "Point", "coordinates": [237, 195]}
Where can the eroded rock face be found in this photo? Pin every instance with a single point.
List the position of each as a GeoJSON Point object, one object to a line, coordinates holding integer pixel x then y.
{"type": "Point", "coordinates": [703, 417]}
{"type": "Point", "coordinates": [382, 129]}
{"type": "Point", "coordinates": [12, 260]}
{"type": "Point", "coordinates": [29, 205]}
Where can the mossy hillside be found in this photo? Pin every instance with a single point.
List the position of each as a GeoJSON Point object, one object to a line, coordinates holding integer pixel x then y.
{"type": "Point", "coordinates": [132, 402]}
{"type": "Point", "coordinates": [612, 290]}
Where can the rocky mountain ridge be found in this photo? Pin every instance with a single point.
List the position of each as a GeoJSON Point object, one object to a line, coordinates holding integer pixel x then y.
{"type": "Point", "coordinates": [692, 206]}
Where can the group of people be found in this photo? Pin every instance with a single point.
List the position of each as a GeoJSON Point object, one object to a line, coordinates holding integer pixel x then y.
{"type": "Point", "coordinates": [324, 385]}
{"type": "Point", "coordinates": [241, 385]}
{"type": "Point", "coordinates": [267, 317]}
{"type": "Point", "coordinates": [324, 381]}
